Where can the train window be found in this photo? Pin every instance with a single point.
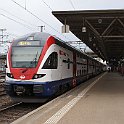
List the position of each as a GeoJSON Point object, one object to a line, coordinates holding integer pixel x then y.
{"type": "Point", "coordinates": [25, 57]}
{"type": "Point", "coordinates": [68, 62]}
{"type": "Point", "coordinates": [51, 62]}
{"type": "Point", "coordinates": [80, 72]}
{"type": "Point", "coordinates": [77, 72]}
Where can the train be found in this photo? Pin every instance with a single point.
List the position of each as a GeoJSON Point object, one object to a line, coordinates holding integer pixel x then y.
{"type": "Point", "coordinates": [40, 65]}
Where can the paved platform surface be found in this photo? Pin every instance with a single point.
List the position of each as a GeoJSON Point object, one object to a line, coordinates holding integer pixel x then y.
{"type": "Point", "coordinates": [98, 101]}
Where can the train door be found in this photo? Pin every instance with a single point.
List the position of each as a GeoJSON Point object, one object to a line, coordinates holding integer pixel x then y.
{"type": "Point", "coordinates": [74, 70]}
{"type": "Point", "coordinates": [60, 66]}
{"type": "Point", "coordinates": [55, 67]}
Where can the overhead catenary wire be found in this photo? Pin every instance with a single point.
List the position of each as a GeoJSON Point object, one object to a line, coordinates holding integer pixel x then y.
{"type": "Point", "coordinates": [47, 5]}
{"type": "Point", "coordinates": [51, 10]}
{"type": "Point", "coordinates": [36, 17]}
{"type": "Point", "coordinates": [17, 17]}
{"type": "Point", "coordinates": [15, 35]}
{"type": "Point", "coordinates": [72, 4]}
{"type": "Point", "coordinates": [26, 26]}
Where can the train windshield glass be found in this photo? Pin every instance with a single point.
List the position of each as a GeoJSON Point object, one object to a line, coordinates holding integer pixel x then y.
{"type": "Point", "coordinates": [25, 57]}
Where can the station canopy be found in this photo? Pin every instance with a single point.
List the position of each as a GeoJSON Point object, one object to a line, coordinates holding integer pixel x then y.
{"type": "Point", "coordinates": [101, 30]}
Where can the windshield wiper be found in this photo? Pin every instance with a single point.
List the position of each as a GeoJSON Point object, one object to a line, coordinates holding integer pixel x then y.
{"type": "Point", "coordinates": [34, 60]}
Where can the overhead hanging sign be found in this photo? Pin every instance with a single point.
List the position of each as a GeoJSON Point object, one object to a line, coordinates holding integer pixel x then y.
{"type": "Point", "coordinates": [65, 29]}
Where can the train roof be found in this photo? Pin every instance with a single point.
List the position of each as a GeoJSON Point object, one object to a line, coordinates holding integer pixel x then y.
{"type": "Point", "coordinates": [37, 36]}
{"type": "Point", "coordinates": [42, 36]}
{"type": "Point", "coordinates": [70, 47]}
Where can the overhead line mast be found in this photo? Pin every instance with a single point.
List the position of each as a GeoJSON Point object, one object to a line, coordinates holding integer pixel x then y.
{"type": "Point", "coordinates": [2, 35]}
{"type": "Point", "coordinates": [41, 28]}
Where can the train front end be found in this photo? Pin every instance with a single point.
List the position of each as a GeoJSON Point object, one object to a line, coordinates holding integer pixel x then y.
{"type": "Point", "coordinates": [23, 78]}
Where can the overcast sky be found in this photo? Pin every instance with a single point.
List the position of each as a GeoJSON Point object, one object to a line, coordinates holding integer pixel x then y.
{"type": "Point", "coordinates": [18, 21]}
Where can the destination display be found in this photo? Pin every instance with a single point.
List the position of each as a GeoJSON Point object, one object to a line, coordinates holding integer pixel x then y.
{"type": "Point", "coordinates": [28, 43]}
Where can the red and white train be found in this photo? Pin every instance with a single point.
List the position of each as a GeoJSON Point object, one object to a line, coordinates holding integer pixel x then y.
{"type": "Point", "coordinates": [39, 65]}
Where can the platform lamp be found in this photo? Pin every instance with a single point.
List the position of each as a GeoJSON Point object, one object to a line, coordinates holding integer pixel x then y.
{"type": "Point", "coordinates": [99, 20]}
{"type": "Point", "coordinates": [84, 29]}
{"type": "Point", "coordinates": [94, 45]}
{"type": "Point", "coordinates": [65, 27]}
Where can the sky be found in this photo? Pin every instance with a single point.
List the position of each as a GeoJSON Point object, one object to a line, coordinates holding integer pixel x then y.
{"type": "Point", "coordinates": [20, 17]}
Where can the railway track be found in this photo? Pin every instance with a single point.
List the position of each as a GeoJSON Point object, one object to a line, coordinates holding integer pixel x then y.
{"type": "Point", "coordinates": [2, 89]}
{"type": "Point", "coordinates": [2, 76]}
{"type": "Point", "coordinates": [4, 98]}
{"type": "Point", "coordinates": [15, 111]}
{"type": "Point", "coordinates": [2, 84]}
{"type": "Point", "coordinates": [2, 92]}
{"type": "Point", "coordinates": [10, 111]}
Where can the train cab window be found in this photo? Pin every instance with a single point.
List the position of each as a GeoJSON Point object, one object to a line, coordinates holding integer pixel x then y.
{"type": "Point", "coordinates": [51, 62]}
{"type": "Point", "coordinates": [78, 72]}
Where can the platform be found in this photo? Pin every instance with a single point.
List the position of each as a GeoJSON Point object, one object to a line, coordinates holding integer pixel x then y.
{"type": "Point", "coordinates": [97, 101]}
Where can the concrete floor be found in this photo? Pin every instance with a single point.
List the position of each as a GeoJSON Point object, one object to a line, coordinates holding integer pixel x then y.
{"type": "Point", "coordinates": [98, 101]}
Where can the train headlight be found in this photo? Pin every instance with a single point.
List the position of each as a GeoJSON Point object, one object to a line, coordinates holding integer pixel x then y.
{"type": "Point", "coordinates": [9, 75]}
{"type": "Point", "coordinates": [36, 76]}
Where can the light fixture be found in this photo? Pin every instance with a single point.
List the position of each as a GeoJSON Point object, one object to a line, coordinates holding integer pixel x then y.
{"type": "Point", "coordinates": [94, 44]}
{"type": "Point", "coordinates": [90, 39]}
{"type": "Point", "coordinates": [99, 21]}
{"type": "Point", "coordinates": [83, 29]}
